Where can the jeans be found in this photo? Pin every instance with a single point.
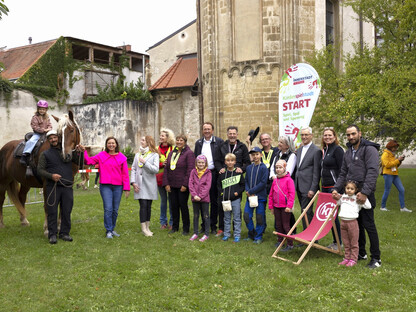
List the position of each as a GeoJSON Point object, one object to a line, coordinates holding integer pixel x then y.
{"type": "Point", "coordinates": [236, 211]}
{"type": "Point", "coordinates": [164, 207]}
{"type": "Point", "coordinates": [260, 219]}
{"type": "Point", "coordinates": [390, 179]}
{"type": "Point", "coordinates": [111, 195]}
{"type": "Point", "coordinates": [30, 145]}
{"type": "Point", "coordinates": [203, 208]}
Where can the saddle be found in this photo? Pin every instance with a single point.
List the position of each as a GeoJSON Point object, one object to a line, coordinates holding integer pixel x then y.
{"type": "Point", "coordinates": [18, 152]}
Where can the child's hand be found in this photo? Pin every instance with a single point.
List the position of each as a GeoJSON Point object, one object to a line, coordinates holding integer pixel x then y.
{"type": "Point", "coordinates": [235, 194]}
{"type": "Point", "coordinates": [197, 198]}
{"type": "Point", "coordinates": [221, 171]}
{"type": "Point", "coordinates": [287, 209]}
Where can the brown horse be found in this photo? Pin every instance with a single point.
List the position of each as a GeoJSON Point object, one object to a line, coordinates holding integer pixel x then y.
{"type": "Point", "coordinates": [12, 173]}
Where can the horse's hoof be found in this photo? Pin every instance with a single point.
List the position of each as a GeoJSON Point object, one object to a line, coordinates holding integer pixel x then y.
{"type": "Point", "coordinates": [25, 222]}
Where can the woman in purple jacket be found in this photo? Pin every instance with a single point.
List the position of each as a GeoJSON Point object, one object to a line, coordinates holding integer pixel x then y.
{"type": "Point", "coordinates": [199, 187]}
{"type": "Point", "coordinates": [178, 168]}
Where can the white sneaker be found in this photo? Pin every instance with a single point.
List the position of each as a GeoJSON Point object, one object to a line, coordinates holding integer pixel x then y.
{"type": "Point", "coordinates": [96, 186]}
{"type": "Point", "coordinates": [109, 235]}
{"type": "Point", "coordinates": [384, 209]}
{"type": "Point", "coordinates": [405, 210]}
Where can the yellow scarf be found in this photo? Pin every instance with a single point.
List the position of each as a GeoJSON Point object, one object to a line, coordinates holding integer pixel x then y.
{"type": "Point", "coordinates": [200, 172]}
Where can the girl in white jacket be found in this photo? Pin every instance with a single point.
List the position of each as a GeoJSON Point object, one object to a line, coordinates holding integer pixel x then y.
{"type": "Point", "coordinates": [349, 209]}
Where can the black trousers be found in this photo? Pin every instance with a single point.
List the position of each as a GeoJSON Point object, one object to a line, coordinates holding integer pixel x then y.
{"type": "Point", "coordinates": [145, 210]}
{"type": "Point", "coordinates": [366, 223]}
{"type": "Point", "coordinates": [179, 204]}
{"type": "Point", "coordinates": [304, 201]}
{"type": "Point", "coordinates": [63, 197]}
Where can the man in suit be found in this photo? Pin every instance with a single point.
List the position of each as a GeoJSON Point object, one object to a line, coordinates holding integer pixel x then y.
{"type": "Point", "coordinates": [307, 172]}
{"type": "Point", "coordinates": [208, 146]}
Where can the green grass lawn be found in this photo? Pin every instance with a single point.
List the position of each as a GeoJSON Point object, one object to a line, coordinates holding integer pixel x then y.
{"type": "Point", "coordinates": [170, 273]}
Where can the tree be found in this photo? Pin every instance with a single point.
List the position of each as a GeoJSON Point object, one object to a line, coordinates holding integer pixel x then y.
{"type": "Point", "coordinates": [377, 89]}
{"type": "Point", "coordinates": [3, 9]}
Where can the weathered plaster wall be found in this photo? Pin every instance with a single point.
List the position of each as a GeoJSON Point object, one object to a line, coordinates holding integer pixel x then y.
{"type": "Point", "coordinates": [128, 121]}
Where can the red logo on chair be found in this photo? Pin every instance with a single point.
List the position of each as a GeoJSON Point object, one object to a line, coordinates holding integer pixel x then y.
{"type": "Point", "coordinates": [323, 211]}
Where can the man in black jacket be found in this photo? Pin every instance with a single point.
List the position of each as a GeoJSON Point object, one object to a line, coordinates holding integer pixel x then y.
{"type": "Point", "coordinates": [59, 181]}
{"type": "Point", "coordinates": [360, 164]}
{"type": "Point", "coordinates": [208, 146]}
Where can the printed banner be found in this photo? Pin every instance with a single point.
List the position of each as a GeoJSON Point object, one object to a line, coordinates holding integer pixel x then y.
{"type": "Point", "coordinates": [298, 94]}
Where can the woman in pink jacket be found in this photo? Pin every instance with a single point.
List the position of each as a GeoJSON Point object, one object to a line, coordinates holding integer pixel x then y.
{"type": "Point", "coordinates": [114, 178]}
{"type": "Point", "coordinates": [199, 186]}
{"type": "Point", "coordinates": [281, 201]}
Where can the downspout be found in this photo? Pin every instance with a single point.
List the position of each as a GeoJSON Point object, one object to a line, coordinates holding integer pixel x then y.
{"type": "Point", "coordinates": [199, 56]}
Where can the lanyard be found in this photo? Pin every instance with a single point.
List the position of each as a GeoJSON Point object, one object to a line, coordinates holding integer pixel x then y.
{"type": "Point", "coordinates": [174, 160]}
{"type": "Point", "coordinates": [229, 149]}
{"type": "Point", "coordinates": [143, 156]}
{"type": "Point", "coordinates": [266, 159]}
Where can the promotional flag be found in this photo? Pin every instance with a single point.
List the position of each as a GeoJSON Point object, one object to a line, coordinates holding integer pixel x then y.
{"type": "Point", "coordinates": [298, 94]}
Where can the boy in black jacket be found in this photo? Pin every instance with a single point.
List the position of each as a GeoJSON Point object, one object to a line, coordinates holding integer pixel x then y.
{"type": "Point", "coordinates": [231, 186]}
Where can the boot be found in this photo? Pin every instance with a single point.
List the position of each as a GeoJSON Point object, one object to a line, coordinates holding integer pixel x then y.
{"type": "Point", "coordinates": [24, 159]}
{"type": "Point", "coordinates": [144, 229]}
{"type": "Point", "coordinates": [147, 227]}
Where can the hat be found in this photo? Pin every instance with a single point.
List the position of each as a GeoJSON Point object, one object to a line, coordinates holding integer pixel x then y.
{"type": "Point", "coordinates": [253, 134]}
{"type": "Point", "coordinates": [52, 132]}
{"type": "Point", "coordinates": [282, 162]}
{"type": "Point", "coordinates": [201, 157]}
{"type": "Point", "coordinates": [255, 149]}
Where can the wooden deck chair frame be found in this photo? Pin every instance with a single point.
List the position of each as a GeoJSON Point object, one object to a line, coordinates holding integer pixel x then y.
{"type": "Point", "coordinates": [311, 243]}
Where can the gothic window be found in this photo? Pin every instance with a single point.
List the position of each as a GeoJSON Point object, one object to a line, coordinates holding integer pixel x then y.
{"type": "Point", "coordinates": [330, 22]}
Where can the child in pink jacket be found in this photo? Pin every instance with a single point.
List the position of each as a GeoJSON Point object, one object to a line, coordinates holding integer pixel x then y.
{"type": "Point", "coordinates": [199, 186]}
{"type": "Point", "coordinates": [281, 201]}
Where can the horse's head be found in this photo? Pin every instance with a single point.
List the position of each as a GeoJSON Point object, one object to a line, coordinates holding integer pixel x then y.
{"type": "Point", "coordinates": [69, 133]}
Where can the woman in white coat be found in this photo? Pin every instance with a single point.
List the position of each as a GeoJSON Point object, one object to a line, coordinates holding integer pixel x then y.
{"type": "Point", "coordinates": [143, 178]}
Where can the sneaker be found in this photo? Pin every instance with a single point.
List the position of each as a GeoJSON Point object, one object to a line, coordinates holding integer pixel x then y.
{"type": "Point", "coordinates": [258, 241]}
{"type": "Point", "coordinates": [52, 239]}
{"type": "Point", "coordinates": [185, 233]}
{"type": "Point", "coordinates": [362, 257]}
{"type": "Point", "coordinates": [115, 234]}
{"type": "Point", "coordinates": [203, 238]}
{"type": "Point", "coordinates": [384, 209]}
{"type": "Point", "coordinates": [163, 226]}
{"type": "Point", "coordinates": [404, 209]}
{"type": "Point", "coordinates": [247, 239]}
{"type": "Point", "coordinates": [109, 235]}
{"type": "Point", "coordinates": [333, 246]}
{"type": "Point", "coordinates": [277, 244]}
{"type": "Point", "coordinates": [236, 240]}
{"type": "Point", "coordinates": [345, 262]}
{"type": "Point", "coordinates": [170, 227]}
{"type": "Point", "coordinates": [374, 263]}
{"type": "Point", "coordinates": [213, 232]}
{"type": "Point", "coordinates": [300, 245]}
{"type": "Point", "coordinates": [66, 237]}
{"type": "Point", "coordinates": [96, 186]}
{"type": "Point", "coordinates": [351, 263]}
{"type": "Point", "coordinates": [219, 233]}
{"type": "Point", "coordinates": [172, 231]}
{"type": "Point", "coordinates": [287, 248]}
{"type": "Point", "coordinates": [193, 237]}
{"type": "Point", "coordinates": [225, 238]}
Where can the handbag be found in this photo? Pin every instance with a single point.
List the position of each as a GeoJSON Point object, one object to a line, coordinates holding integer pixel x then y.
{"type": "Point", "coordinates": [253, 201]}
{"type": "Point", "coordinates": [226, 205]}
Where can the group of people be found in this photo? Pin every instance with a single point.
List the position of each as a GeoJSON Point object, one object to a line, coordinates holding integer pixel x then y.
{"type": "Point", "coordinates": [218, 172]}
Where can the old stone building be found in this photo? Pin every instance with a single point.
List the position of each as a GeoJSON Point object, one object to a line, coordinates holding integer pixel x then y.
{"type": "Point", "coordinates": [245, 46]}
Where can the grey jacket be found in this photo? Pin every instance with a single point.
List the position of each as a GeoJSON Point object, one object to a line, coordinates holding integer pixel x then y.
{"type": "Point", "coordinates": [307, 173]}
{"type": "Point", "coordinates": [363, 169]}
{"type": "Point", "coordinates": [145, 177]}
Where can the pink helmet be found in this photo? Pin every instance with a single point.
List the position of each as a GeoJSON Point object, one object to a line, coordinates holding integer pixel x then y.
{"type": "Point", "coordinates": [43, 104]}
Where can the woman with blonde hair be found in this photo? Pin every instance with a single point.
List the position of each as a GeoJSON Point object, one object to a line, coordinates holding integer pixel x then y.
{"type": "Point", "coordinates": [167, 143]}
{"type": "Point", "coordinates": [143, 179]}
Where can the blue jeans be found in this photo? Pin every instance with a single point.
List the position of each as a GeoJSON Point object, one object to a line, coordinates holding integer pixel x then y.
{"type": "Point", "coordinates": [111, 195]}
{"type": "Point", "coordinates": [260, 219]}
{"type": "Point", "coordinates": [235, 204]}
{"type": "Point", "coordinates": [164, 207]}
{"type": "Point", "coordinates": [388, 181]}
{"type": "Point", "coordinates": [30, 145]}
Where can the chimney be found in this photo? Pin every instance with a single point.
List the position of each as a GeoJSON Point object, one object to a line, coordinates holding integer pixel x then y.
{"type": "Point", "coordinates": [126, 47]}
{"type": "Point", "coordinates": [30, 40]}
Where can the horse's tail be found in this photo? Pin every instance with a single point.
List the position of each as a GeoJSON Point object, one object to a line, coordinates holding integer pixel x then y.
{"type": "Point", "coordinates": [13, 189]}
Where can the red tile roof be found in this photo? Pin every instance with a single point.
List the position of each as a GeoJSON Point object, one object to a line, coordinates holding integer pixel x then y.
{"type": "Point", "coordinates": [18, 60]}
{"type": "Point", "coordinates": [184, 73]}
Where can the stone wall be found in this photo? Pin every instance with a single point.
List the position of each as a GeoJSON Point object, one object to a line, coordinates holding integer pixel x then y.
{"type": "Point", "coordinates": [126, 120]}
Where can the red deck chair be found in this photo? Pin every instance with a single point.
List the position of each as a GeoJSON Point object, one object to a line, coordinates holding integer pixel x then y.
{"type": "Point", "coordinates": [321, 224]}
